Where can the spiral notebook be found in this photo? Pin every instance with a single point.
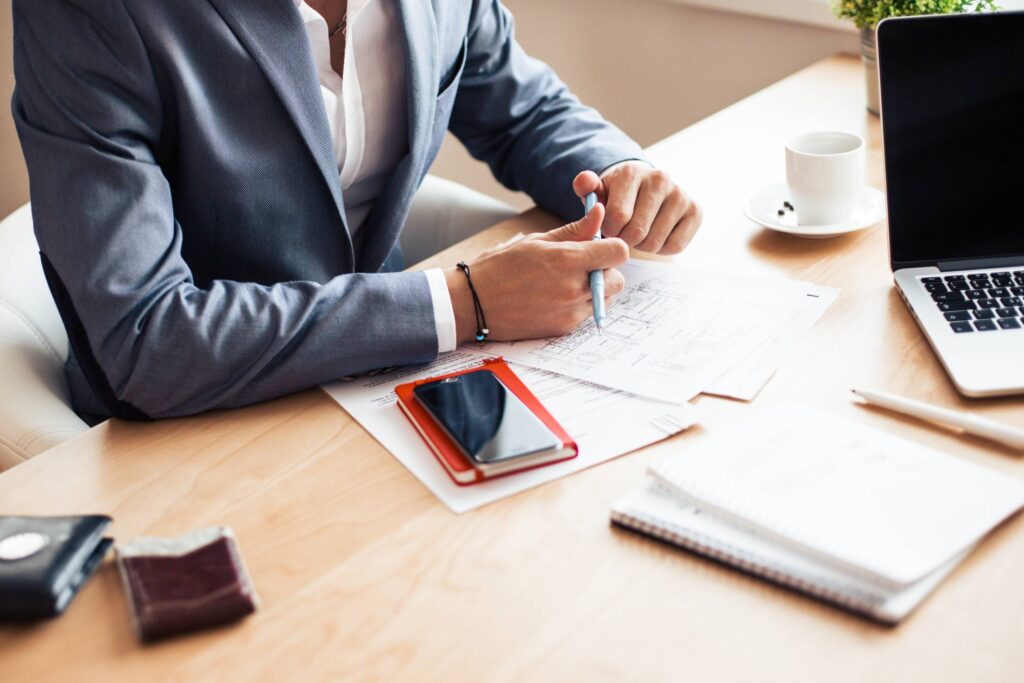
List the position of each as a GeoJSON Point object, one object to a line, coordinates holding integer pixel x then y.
{"type": "Point", "coordinates": [849, 514]}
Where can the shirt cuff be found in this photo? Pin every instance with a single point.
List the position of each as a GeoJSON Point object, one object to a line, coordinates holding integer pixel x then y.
{"type": "Point", "coordinates": [444, 312]}
{"type": "Point", "coordinates": [624, 161]}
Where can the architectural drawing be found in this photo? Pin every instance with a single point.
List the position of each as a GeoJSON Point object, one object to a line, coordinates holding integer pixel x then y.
{"type": "Point", "coordinates": [670, 334]}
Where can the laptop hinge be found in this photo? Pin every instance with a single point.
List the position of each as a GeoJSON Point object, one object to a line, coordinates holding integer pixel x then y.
{"type": "Point", "coordinates": [979, 263]}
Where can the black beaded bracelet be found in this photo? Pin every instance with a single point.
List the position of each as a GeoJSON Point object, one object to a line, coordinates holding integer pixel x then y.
{"type": "Point", "coordinates": [481, 321]}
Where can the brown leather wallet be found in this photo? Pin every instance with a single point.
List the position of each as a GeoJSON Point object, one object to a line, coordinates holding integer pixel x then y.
{"type": "Point", "coordinates": [178, 585]}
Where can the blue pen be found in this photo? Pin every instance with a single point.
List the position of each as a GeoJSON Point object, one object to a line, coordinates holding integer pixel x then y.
{"type": "Point", "coordinates": [596, 276]}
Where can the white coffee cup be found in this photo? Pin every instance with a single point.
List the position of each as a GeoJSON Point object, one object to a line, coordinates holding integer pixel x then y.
{"type": "Point", "coordinates": [825, 174]}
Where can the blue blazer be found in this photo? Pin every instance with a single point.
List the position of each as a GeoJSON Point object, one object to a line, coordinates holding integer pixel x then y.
{"type": "Point", "coordinates": [186, 196]}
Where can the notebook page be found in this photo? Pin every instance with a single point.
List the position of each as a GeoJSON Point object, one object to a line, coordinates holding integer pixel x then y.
{"type": "Point", "coordinates": [883, 505]}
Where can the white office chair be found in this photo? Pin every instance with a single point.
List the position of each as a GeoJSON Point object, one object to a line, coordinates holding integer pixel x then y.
{"type": "Point", "coordinates": [34, 409]}
{"type": "Point", "coordinates": [444, 212]}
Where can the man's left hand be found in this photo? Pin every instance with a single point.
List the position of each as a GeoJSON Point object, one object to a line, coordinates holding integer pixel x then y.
{"type": "Point", "coordinates": [644, 208]}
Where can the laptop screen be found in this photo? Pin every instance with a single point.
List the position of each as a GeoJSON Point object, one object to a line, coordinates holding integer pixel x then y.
{"type": "Point", "coordinates": [953, 127]}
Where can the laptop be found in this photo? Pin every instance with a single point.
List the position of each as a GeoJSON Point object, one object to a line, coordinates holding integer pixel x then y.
{"type": "Point", "coordinates": [952, 96]}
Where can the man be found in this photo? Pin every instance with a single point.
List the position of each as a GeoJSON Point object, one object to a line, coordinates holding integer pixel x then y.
{"type": "Point", "coordinates": [218, 187]}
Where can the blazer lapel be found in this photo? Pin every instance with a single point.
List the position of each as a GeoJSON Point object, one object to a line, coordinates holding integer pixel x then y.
{"type": "Point", "coordinates": [273, 33]}
{"type": "Point", "coordinates": [419, 30]}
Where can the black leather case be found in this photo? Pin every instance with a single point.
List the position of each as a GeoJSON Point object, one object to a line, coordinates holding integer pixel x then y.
{"type": "Point", "coordinates": [45, 560]}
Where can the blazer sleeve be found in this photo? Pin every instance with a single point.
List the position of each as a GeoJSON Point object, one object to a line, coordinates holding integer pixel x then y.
{"type": "Point", "coordinates": [89, 115]}
{"type": "Point", "coordinates": [513, 112]}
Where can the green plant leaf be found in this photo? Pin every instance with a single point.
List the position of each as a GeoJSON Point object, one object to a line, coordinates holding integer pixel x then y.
{"type": "Point", "coordinates": [867, 13]}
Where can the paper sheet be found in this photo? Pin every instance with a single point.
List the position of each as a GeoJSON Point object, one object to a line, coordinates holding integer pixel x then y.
{"type": "Point", "coordinates": [669, 335]}
{"type": "Point", "coordinates": [604, 423]}
{"type": "Point", "coordinates": [749, 376]}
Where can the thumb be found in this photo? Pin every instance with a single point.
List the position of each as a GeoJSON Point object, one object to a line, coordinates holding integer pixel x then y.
{"type": "Point", "coordinates": [581, 230]}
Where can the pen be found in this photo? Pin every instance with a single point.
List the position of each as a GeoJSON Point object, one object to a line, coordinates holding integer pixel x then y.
{"type": "Point", "coordinates": [596, 276]}
{"type": "Point", "coordinates": [965, 422]}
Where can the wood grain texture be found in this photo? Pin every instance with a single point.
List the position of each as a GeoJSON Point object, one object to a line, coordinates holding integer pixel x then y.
{"type": "Point", "coordinates": [365, 576]}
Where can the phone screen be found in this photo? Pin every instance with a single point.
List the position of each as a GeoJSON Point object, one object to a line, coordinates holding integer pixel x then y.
{"type": "Point", "coordinates": [484, 418]}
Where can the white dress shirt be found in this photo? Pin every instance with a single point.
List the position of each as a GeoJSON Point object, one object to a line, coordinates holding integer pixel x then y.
{"type": "Point", "coordinates": [366, 110]}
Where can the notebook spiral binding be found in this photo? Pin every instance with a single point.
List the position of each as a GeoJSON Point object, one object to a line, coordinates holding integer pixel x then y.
{"type": "Point", "coordinates": [818, 587]}
{"type": "Point", "coordinates": [670, 479]}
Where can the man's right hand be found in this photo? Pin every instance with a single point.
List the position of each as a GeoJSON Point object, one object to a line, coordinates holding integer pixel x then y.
{"type": "Point", "coordinates": [538, 286]}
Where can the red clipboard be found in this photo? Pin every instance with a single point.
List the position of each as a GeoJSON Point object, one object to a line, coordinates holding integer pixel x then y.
{"type": "Point", "coordinates": [458, 466]}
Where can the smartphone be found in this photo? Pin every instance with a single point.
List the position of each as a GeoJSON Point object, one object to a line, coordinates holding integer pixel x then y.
{"type": "Point", "coordinates": [485, 419]}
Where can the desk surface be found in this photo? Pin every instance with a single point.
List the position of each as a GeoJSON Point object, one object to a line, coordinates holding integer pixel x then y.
{"type": "Point", "coordinates": [364, 574]}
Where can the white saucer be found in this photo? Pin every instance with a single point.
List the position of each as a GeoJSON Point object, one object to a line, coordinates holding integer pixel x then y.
{"type": "Point", "coordinates": [763, 208]}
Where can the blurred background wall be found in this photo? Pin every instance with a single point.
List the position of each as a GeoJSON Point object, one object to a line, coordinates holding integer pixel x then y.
{"type": "Point", "coordinates": [13, 180]}
{"type": "Point", "coordinates": [650, 66]}
{"type": "Point", "coordinates": [654, 66]}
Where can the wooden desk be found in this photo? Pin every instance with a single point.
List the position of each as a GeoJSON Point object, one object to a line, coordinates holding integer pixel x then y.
{"type": "Point", "coordinates": [364, 575]}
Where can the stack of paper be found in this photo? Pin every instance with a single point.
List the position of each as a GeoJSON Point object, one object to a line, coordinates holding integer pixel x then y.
{"type": "Point", "coordinates": [674, 333]}
{"type": "Point", "coordinates": [670, 335]}
{"type": "Point", "coordinates": [604, 423]}
{"type": "Point", "coordinates": [824, 505]}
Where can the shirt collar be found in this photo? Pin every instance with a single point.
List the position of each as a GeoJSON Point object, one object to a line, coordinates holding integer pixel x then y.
{"type": "Point", "coordinates": [354, 6]}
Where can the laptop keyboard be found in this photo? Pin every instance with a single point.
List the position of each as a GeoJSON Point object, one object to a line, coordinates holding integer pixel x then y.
{"type": "Point", "coordinates": [979, 301]}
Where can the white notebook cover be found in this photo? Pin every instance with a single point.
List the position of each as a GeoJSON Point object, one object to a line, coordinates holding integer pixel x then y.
{"type": "Point", "coordinates": [854, 497]}
{"type": "Point", "coordinates": [656, 511]}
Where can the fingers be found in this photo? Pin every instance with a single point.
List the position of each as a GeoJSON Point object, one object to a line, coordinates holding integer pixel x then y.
{"type": "Point", "coordinates": [646, 210]}
{"type": "Point", "coordinates": [578, 231]}
{"type": "Point", "coordinates": [601, 254]}
{"type": "Point", "coordinates": [684, 230]}
{"type": "Point", "coordinates": [587, 182]}
{"type": "Point", "coordinates": [655, 189]}
{"type": "Point", "coordinates": [614, 282]}
{"type": "Point", "coordinates": [672, 211]}
{"type": "Point", "coordinates": [622, 195]}
{"type": "Point", "coordinates": [648, 202]}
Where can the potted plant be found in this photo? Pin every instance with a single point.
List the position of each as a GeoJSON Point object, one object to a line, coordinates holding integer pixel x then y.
{"type": "Point", "coordinates": [867, 13]}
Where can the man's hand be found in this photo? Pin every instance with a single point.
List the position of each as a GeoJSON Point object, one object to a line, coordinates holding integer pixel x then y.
{"type": "Point", "coordinates": [538, 286]}
{"type": "Point", "coordinates": [646, 209]}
